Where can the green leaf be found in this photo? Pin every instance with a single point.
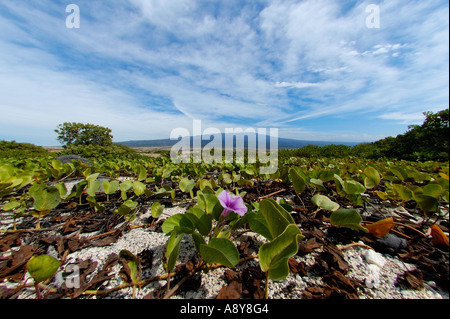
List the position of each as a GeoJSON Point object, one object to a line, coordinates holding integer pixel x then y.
{"type": "Point", "coordinates": [382, 195]}
{"type": "Point", "coordinates": [211, 204]}
{"type": "Point", "coordinates": [402, 191]}
{"type": "Point", "coordinates": [186, 185]}
{"type": "Point", "coordinates": [274, 255]}
{"type": "Point", "coordinates": [317, 183]}
{"type": "Point", "coordinates": [127, 208]}
{"type": "Point", "coordinates": [45, 197]}
{"type": "Point", "coordinates": [433, 190]}
{"type": "Point", "coordinates": [245, 182]}
{"type": "Point", "coordinates": [353, 187]}
{"type": "Point", "coordinates": [178, 224]}
{"type": "Point", "coordinates": [131, 265]}
{"type": "Point", "coordinates": [258, 224]}
{"type": "Point", "coordinates": [139, 188]}
{"type": "Point", "coordinates": [126, 185]}
{"type": "Point", "coordinates": [226, 178]}
{"type": "Point", "coordinates": [110, 187]}
{"type": "Point", "coordinates": [157, 209]}
{"type": "Point", "coordinates": [63, 193]}
{"type": "Point", "coordinates": [201, 221]}
{"type": "Point", "coordinates": [11, 205]}
{"type": "Point", "coordinates": [94, 204]}
{"type": "Point", "coordinates": [220, 251]}
{"type": "Point", "coordinates": [92, 177]}
{"type": "Point", "coordinates": [324, 202]}
{"type": "Point", "coordinates": [349, 218]}
{"type": "Point", "coordinates": [372, 178]}
{"type": "Point", "coordinates": [141, 173]}
{"type": "Point", "coordinates": [173, 244]}
{"type": "Point", "coordinates": [93, 187]}
{"type": "Point", "coordinates": [277, 218]}
{"type": "Point", "coordinates": [339, 184]}
{"type": "Point", "coordinates": [198, 240]}
{"type": "Point", "coordinates": [399, 173]}
{"type": "Point", "coordinates": [42, 267]}
{"type": "Point", "coordinates": [426, 203]}
{"type": "Point", "coordinates": [297, 180]}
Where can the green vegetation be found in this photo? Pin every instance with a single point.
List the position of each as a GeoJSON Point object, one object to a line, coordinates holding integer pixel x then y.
{"type": "Point", "coordinates": [426, 142]}
{"type": "Point", "coordinates": [21, 150]}
{"type": "Point", "coordinates": [32, 184]}
{"type": "Point", "coordinates": [83, 134]}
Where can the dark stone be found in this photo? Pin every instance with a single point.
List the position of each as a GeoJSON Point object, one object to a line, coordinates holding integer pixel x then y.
{"type": "Point", "coordinates": [68, 159]}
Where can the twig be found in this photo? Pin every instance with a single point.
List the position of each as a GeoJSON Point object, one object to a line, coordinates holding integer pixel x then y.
{"type": "Point", "coordinates": [355, 245]}
{"type": "Point", "coordinates": [200, 267]}
{"type": "Point", "coordinates": [271, 194]}
{"type": "Point", "coordinates": [123, 286]}
{"type": "Point", "coordinates": [103, 235]}
{"type": "Point", "coordinates": [412, 228]}
{"type": "Point", "coordinates": [30, 230]}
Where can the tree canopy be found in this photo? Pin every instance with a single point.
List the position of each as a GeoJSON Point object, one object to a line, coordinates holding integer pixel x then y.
{"type": "Point", "coordinates": [71, 133]}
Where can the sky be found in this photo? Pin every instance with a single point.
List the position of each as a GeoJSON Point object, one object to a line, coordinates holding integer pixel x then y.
{"type": "Point", "coordinates": [319, 70]}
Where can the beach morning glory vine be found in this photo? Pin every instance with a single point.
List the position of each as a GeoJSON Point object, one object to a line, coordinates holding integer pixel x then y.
{"type": "Point", "coordinates": [231, 203]}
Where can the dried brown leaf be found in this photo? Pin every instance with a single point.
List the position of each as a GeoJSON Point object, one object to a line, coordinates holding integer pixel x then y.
{"type": "Point", "coordinates": [381, 228]}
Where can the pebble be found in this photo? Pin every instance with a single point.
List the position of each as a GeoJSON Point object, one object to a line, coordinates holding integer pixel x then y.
{"type": "Point", "coordinates": [374, 258]}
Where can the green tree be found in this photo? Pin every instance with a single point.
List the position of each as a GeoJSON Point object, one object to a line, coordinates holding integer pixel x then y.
{"type": "Point", "coordinates": [83, 134]}
{"type": "Point", "coordinates": [429, 141]}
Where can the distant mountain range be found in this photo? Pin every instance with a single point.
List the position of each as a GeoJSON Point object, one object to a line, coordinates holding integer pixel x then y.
{"type": "Point", "coordinates": [283, 143]}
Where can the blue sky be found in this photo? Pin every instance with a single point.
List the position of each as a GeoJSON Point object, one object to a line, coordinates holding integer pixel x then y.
{"type": "Point", "coordinates": [311, 68]}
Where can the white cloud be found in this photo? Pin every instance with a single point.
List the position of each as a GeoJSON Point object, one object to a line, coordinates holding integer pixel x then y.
{"type": "Point", "coordinates": [405, 118]}
{"type": "Point", "coordinates": [145, 66]}
{"type": "Point", "coordinates": [295, 85]}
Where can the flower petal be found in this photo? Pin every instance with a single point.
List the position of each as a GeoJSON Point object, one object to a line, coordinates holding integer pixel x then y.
{"type": "Point", "coordinates": [225, 212]}
{"type": "Point", "coordinates": [224, 199]}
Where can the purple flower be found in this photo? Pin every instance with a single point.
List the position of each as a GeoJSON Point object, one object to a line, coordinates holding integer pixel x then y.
{"type": "Point", "coordinates": [232, 203]}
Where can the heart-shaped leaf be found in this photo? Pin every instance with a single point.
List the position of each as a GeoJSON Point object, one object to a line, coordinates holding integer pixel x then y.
{"type": "Point", "coordinates": [324, 202]}
{"type": "Point", "coordinates": [220, 251]}
{"type": "Point", "coordinates": [353, 187]}
{"type": "Point", "coordinates": [211, 204]}
{"type": "Point", "coordinates": [141, 173]}
{"type": "Point", "coordinates": [372, 178]}
{"type": "Point", "coordinates": [433, 190]}
{"type": "Point", "coordinates": [139, 188]}
{"type": "Point", "coordinates": [277, 218]}
{"type": "Point", "coordinates": [45, 197]}
{"type": "Point", "coordinates": [201, 220]}
{"type": "Point", "coordinates": [157, 209]}
{"type": "Point", "coordinates": [42, 267]}
{"type": "Point", "coordinates": [179, 224]}
{"type": "Point", "coordinates": [426, 203]}
{"type": "Point", "coordinates": [274, 255]}
{"type": "Point", "coordinates": [172, 247]}
{"type": "Point", "coordinates": [258, 224]}
{"type": "Point", "coordinates": [186, 185]}
{"type": "Point", "coordinates": [110, 187]}
{"type": "Point", "coordinates": [92, 177]}
{"type": "Point", "coordinates": [297, 180]}
{"type": "Point", "coordinates": [317, 183]}
{"type": "Point", "coordinates": [349, 218]}
{"type": "Point", "coordinates": [93, 187]}
{"type": "Point", "coordinates": [402, 191]}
